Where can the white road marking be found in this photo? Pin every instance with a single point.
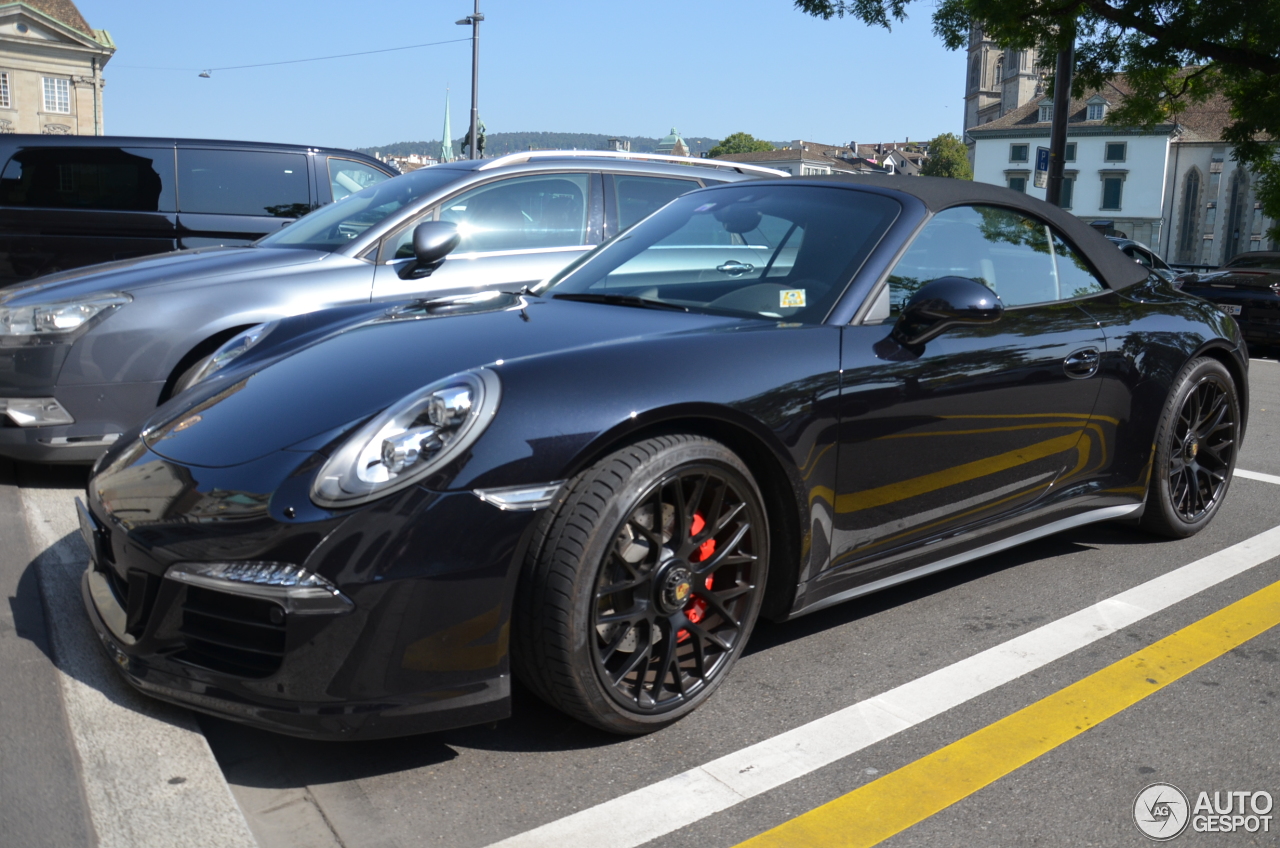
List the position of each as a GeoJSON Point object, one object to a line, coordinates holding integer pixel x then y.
{"type": "Point", "coordinates": [1257, 475]}
{"type": "Point", "coordinates": [149, 776]}
{"type": "Point", "coordinates": [630, 820]}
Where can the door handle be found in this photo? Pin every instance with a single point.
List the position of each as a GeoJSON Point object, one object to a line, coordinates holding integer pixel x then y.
{"type": "Point", "coordinates": [1082, 363]}
{"type": "Point", "coordinates": [735, 268]}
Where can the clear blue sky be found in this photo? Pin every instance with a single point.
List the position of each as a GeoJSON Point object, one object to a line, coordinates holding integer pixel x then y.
{"type": "Point", "coordinates": [707, 67]}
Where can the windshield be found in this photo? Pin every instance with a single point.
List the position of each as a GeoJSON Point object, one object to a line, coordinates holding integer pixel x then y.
{"type": "Point", "coordinates": [334, 226]}
{"type": "Point", "coordinates": [765, 250]}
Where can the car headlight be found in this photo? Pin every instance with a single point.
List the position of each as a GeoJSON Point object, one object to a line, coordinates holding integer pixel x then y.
{"type": "Point", "coordinates": [49, 319]}
{"type": "Point", "coordinates": [233, 349]}
{"type": "Point", "coordinates": [409, 440]}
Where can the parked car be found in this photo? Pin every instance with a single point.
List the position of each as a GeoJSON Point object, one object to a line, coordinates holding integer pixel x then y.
{"type": "Point", "coordinates": [1144, 256]}
{"type": "Point", "coordinates": [86, 354]}
{"type": "Point", "coordinates": [70, 201]}
{"type": "Point", "coordinates": [363, 529]}
{"type": "Point", "coordinates": [1248, 289]}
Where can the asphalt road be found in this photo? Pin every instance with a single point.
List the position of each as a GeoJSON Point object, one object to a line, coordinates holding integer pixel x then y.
{"type": "Point", "coordinates": [1212, 730]}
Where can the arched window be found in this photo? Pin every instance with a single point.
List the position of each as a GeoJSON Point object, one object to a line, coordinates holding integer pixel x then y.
{"type": "Point", "coordinates": [1240, 220]}
{"type": "Point", "coordinates": [1190, 223]}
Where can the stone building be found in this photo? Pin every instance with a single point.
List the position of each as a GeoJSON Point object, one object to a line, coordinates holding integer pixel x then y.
{"type": "Point", "coordinates": [999, 80]}
{"type": "Point", "coordinates": [51, 64]}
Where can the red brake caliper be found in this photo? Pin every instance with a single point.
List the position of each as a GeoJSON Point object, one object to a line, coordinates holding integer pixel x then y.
{"type": "Point", "coordinates": [697, 607]}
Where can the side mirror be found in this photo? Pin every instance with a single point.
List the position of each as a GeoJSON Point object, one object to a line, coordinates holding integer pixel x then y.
{"type": "Point", "coordinates": [432, 242]}
{"type": "Point", "coordinates": [942, 304]}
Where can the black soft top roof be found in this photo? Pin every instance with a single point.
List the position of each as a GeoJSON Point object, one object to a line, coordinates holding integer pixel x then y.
{"type": "Point", "coordinates": [937, 193]}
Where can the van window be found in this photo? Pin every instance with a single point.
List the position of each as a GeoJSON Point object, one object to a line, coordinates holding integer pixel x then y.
{"type": "Point", "coordinates": [243, 182]}
{"type": "Point", "coordinates": [347, 176]}
{"type": "Point", "coordinates": [116, 178]}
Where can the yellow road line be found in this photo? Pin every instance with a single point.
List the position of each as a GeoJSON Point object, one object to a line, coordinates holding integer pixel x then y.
{"type": "Point", "coordinates": [902, 798]}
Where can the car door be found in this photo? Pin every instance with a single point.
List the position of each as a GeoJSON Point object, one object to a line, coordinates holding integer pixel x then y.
{"type": "Point", "coordinates": [515, 231]}
{"type": "Point", "coordinates": [229, 196]}
{"type": "Point", "coordinates": [64, 207]}
{"type": "Point", "coordinates": [983, 420]}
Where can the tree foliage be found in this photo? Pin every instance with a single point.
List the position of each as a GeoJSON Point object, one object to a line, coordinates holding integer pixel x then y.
{"type": "Point", "coordinates": [740, 142]}
{"type": "Point", "coordinates": [1174, 53]}
{"type": "Point", "coordinates": [948, 157]}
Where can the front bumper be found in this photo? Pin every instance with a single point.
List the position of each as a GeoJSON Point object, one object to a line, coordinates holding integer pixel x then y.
{"type": "Point", "coordinates": [101, 413]}
{"type": "Point", "coordinates": [431, 577]}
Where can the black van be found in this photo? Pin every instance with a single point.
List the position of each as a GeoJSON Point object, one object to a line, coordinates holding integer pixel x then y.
{"type": "Point", "coordinates": [67, 201]}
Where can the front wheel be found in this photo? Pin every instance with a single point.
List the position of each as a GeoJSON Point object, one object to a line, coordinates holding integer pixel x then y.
{"type": "Point", "coordinates": [1196, 446]}
{"type": "Point", "coordinates": [644, 585]}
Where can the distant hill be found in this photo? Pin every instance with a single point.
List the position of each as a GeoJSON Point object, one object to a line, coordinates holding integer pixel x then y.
{"type": "Point", "coordinates": [497, 144]}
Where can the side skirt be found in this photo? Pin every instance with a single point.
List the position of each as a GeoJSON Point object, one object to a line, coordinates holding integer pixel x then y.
{"type": "Point", "coordinates": [1109, 513]}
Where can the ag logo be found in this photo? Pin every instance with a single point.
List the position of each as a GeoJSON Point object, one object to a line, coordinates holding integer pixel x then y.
{"type": "Point", "coordinates": [1161, 811]}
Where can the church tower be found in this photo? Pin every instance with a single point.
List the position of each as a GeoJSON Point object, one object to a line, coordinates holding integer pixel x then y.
{"type": "Point", "coordinates": [999, 80]}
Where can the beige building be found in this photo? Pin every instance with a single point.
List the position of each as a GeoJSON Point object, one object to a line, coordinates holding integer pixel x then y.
{"type": "Point", "coordinates": [51, 64]}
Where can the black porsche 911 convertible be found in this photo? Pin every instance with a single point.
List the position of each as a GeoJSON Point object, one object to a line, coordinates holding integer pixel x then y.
{"type": "Point", "coordinates": [765, 399]}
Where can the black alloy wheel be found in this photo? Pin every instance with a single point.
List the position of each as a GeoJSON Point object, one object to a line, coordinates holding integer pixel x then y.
{"type": "Point", "coordinates": [646, 585]}
{"type": "Point", "coordinates": [1196, 448]}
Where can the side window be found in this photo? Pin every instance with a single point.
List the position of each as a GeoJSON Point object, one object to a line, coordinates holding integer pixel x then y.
{"type": "Point", "coordinates": [347, 176]}
{"type": "Point", "coordinates": [638, 197]}
{"type": "Point", "coordinates": [1018, 257]}
{"type": "Point", "coordinates": [521, 213]}
{"type": "Point", "coordinates": [243, 182]}
{"type": "Point", "coordinates": [116, 178]}
{"type": "Point", "coordinates": [1139, 256]}
{"type": "Point", "coordinates": [1075, 279]}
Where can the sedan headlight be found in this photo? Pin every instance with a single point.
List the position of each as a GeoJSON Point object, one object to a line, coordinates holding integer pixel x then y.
{"type": "Point", "coordinates": [409, 440]}
{"type": "Point", "coordinates": [48, 319]}
{"type": "Point", "coordinates": [232, 350]}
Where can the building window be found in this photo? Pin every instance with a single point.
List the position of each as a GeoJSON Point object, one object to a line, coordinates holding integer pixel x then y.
{"type": "Point", "coordinates": [1046, 114]}
{"type": "Point", "coordinates": [1069, 154]}
{"type": "Point", "coordinates": [1116, 151]}
{"type": "Point", "coordinates": [1068, 191]}
{"type": "Point", "coordinates": [1018, 184]}
{"type": "Point", "coordinates": [57, 95]}
{"type": "Point", "coordinates": [1190, 217]}
{"type": "Point", "coordinates": [1112, 192]}
{"type": "Point", "coordinates": [5, 102]}
{"type": "Point", "coordinates": [1096, 112]}
{"type": "Point", "coordinates": [1017, 153]}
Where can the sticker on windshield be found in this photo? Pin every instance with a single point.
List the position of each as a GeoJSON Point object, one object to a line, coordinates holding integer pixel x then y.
{"type": "Point", "coordinates": [704, 207]}
{"type": "Point", "coordinates": [791, 298]}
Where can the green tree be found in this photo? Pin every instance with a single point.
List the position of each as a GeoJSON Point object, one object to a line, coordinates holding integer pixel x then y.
{"type": "Point", "coordinates": [739, 142]}
{"type": "Point", "coordinates": [948, 157]}
{"type": "Point", "coordinates": [1173, 53]}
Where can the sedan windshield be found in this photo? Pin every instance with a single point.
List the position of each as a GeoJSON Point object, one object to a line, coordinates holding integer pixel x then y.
{"type": "Point", "coordinates": [766, 250]}
{"type": "Point", "coordinates": [333, 226]}
{"type": "Point", "coordinates": [1270, 261]}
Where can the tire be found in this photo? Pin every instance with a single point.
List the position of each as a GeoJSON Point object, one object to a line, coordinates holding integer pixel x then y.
{"type": "Point", "coordinates": [628, 625]}
{"type": "Point", "coordinates": [1196, 446]}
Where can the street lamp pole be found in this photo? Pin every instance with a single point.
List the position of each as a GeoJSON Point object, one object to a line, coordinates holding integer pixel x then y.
{"type": "Point", "coordinates": [474, 20]}
{"type": "Point", "coordinates": [1058, 129]}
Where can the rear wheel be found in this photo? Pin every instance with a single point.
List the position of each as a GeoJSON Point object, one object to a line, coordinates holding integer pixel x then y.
{"type": "Point", "coordinates": [645, 585]}
{"type": "Point", "coordinates": [1196, 446]}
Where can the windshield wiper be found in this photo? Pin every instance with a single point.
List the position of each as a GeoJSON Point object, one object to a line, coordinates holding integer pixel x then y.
{"type": "Point", "coordinates": [620, 300]}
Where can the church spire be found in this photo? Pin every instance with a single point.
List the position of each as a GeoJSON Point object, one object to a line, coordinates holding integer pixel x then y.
{"type": "Point", "coordinates": [446, 141]}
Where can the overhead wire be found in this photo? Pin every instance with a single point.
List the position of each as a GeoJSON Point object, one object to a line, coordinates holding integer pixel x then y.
{"type": "Point", "coordinates": [299, 61]}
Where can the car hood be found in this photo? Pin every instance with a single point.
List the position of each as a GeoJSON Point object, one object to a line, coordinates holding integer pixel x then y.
{"type": "Point", "coordinates": [167, 268]}
{"type": "Point", "coordinates": [309, 398]}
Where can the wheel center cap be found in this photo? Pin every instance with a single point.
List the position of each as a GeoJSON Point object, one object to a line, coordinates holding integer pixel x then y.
{"type": "Point", "coordinates": [674, 588]}
{"type": "Point", "coordinates": [1190, 449]}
